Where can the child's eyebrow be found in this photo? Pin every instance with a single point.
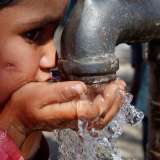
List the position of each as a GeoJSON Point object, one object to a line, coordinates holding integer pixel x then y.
{"type": "Point", "coordinates": [42, 22]}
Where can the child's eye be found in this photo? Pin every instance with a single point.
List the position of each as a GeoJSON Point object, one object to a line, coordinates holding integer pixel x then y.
{"type": "Point", "coordinates": [33, 35]}
{"type": "Point", "coordinates": [40, 35]}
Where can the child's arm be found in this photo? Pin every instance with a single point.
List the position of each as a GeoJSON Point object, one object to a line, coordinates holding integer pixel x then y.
{"type": "Point", "coordinates": [48, 106]}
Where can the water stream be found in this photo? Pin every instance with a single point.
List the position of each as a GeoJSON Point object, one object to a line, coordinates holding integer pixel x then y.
{"type": "Point", "coordinates": [101, 145]}
{"type": "Point", "coordinates": [98, 144]}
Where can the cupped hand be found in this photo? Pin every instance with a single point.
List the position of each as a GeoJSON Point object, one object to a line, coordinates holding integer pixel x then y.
{"type": "Point", "coordinates": [40, 106]}
{"type": "Point", "coordinates": [48, 106]}
{"type": "Point", "coordinates": [102, 103]}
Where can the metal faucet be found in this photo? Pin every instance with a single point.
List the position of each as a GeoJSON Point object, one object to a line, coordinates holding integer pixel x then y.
{"type": "Point", "coordinates": [93, 30]}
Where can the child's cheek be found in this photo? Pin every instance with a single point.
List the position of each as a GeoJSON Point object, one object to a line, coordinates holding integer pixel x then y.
{"type": "Point", "coordinates": [19, 59]}
{"type": "Point", "coordinates": [19, 64]}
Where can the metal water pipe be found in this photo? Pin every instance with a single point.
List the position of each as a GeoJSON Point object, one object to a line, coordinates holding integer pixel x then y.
{"type": "Point", "coordinates": [93, 30]}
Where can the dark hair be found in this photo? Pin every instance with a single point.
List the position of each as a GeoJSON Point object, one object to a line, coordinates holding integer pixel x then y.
{"type": "Point", "coordinates": [4, 3]}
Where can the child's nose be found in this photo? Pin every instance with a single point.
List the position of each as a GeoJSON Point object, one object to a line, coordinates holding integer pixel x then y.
{"type": "Point", "coordinates": [48, 59]}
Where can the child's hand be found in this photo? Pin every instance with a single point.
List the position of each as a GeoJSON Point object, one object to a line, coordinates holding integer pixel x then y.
{"type": "Point", "coordinates": [48, 106]}
{"type": "Point", "coordinates": [102, 104]}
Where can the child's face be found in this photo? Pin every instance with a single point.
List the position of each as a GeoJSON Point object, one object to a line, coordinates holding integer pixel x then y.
{"type": "Point", "coordinates": [27, 51]}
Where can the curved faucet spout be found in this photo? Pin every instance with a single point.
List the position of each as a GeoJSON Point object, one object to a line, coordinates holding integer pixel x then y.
{"type": "Point", "coordinates": [95, 27]}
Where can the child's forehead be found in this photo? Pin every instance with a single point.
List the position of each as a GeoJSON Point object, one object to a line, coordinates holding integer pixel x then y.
{"type": "Point", "coordinates": [37, 9]}
{"type": "Point", "coordinates": [47, 8]}
{"type": "Point", "coordinates": [56, 5]}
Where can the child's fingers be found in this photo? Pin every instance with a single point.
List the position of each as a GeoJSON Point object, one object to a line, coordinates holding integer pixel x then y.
{"type": "Point", "coordinates": [112, 90]}
{"type": "Point", "coordinates": [70, 111]}
{"type": "Point", "coordinates": [101, 105]}
{"type": "Point", "coordinates": [87, 109]}
{"type": "Point", "coordinates": [60, 105]}
{"type": "Point", "coordinates": [110, 93]}
{"type": "Point", "coordinates": [59, 112]}
{"type": "Point", "coordinates": [114, 109]}
{"type": "Point", "coordinates": [59, 92]}
{"type": "Point", "coordinates": [63, 115]}
{"type": "Point", "coordinates": [103, 121]}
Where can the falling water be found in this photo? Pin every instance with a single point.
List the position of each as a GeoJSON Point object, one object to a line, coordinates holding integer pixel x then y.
{"type": "Point", "coordinates": [98, 144]}
{"type": "Point", "coordinates": [103, 145]}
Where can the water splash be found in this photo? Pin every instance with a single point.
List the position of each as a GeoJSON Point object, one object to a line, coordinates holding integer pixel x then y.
{"type": "Point", "coordinates": [101, 145]}
{"type": "Point", "coordinates": [98, 144]}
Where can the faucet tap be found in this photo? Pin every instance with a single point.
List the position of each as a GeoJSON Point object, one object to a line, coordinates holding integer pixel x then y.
{"type": "Point", "coordinates": [93, 30]}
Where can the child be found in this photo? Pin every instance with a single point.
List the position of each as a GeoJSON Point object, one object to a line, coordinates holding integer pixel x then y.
{"type": "Point", "coordinates": [30, 104]}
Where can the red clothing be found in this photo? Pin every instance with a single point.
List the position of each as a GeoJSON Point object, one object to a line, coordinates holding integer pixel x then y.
{"type": "Point", "coordinates": [8, 149]}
